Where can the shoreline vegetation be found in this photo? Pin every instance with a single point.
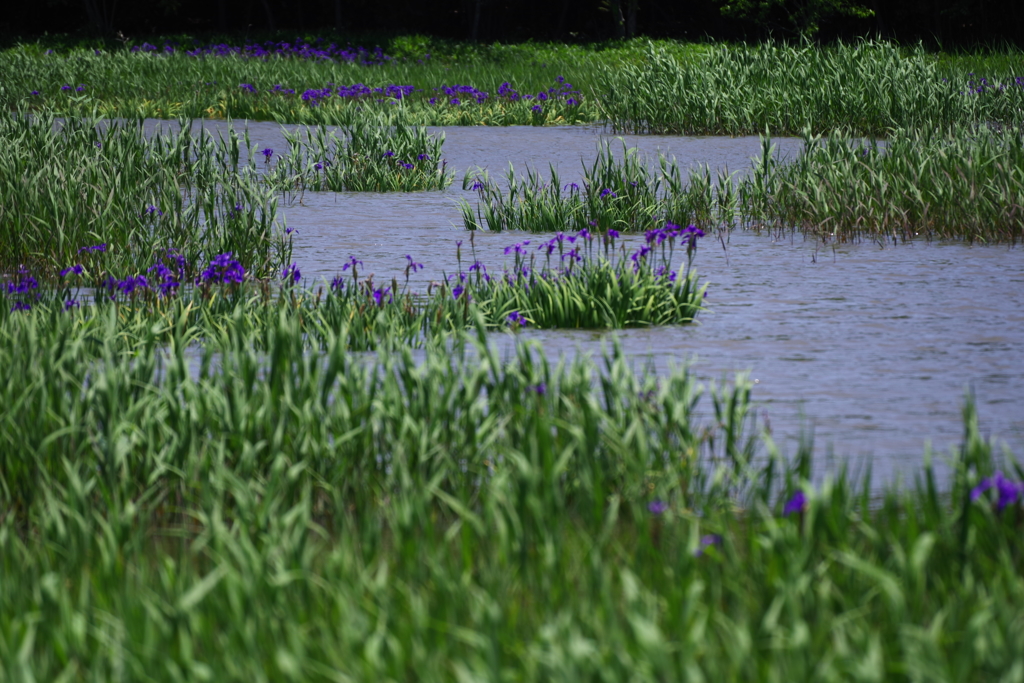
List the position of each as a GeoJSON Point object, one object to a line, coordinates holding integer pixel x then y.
{"type": "Point", "coordinates": [239, 507]}
{"type": "Point", "coordinates": [868, 87]}
{"type": "Point", "coordinates": [211, 469]}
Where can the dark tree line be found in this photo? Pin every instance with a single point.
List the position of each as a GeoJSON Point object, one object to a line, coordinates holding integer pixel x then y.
{"type": "Point", "coordinates": [949, 23]}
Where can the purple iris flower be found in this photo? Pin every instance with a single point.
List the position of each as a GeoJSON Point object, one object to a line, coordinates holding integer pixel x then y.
{"type": "Point", "coordinates": [223, 269]}
{"type": "Point", "coordinates": [378, 295]}
{"type": "Point", "coordinates": [1007, 491]}
{"type": "Point", "coordinates": [706, 542]}
{"type": "Point", "coordinates": [130, 284]}
{"type": "Point", "coordinates": [411, 265]}
{"type": "Point", "coordinates": [517, 248]}
{"type": "Point", "coordinates": [657, 507]}
{"type": "Point", "coordinates": [692, 232]}
{"type": "Point", "coordinates": [291, 273]}
{"type": "Point", "coordinates": [798, 503]}
{"type": "Point", "coordinates": [23, 284]}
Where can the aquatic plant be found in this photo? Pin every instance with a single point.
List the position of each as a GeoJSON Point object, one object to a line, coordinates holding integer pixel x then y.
{"type": "Point", "coordinates": [617, 193]}
{"type": "Point", "coordinates": [589, 283]}
{"type": "Point", "coordinates": [585, 281]}
{"type": "Point", "coordinates": [367, 157]}
{"type": "Point", "coordinates": [111, 182]}
{"type": "Point", "coordinates": [963, 183]}
{"type": "Point", "coordinates": [70, 185]}
{"type": "Point", "coordinates": [159, 497]}
{"type": "Point", "coordinates": [295, 85]}
{"type": "Point", "coordinates": [870, 88]}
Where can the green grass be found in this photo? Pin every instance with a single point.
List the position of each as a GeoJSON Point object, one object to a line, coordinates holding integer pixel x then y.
{"type": "Point", "coordinates": [665, 86]}
{"type": "Point", "coordinates": [252, 511]}
{"type": "Point", "coordinates": [121, 83]}
{"type": "Point", "coordinates": [870, 88]}
{"type": "Point", "coordinates": [370, 156]}
{"type": "Point", "coordinates": [592, 285]}
{"type": "Point", "coordinates": [79, 183]}
{"type": "Point", "coordinates": [617, 193]}
{"type": "Point", "coordinates": [220, 483]}
{"type": "Point", "coordinates": [964, 183]}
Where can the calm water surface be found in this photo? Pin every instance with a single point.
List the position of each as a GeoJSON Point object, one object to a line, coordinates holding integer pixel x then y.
{"type": "Point", "coordinates": [872, 347]}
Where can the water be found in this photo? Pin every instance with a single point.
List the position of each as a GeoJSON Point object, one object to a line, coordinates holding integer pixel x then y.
{"type": "Point", "coordinates": [871, 346]}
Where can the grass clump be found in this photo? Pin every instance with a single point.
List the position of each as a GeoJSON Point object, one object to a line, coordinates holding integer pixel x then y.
{"type": "Point", "coordinates": [871, 88]}
{"type": "Point", "coordinates": [369, 157]}
{"type": "Point", "coordinates": [966, 183]}
{"type": "Point", "coordinates": [580, 287]}
{"type": "Point", "coordinates": [567, 282]}
{"type": "Point", "coordinates": [620, 194]}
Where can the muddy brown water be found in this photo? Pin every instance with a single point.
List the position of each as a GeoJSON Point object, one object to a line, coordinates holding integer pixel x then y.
{"type": "Point", "coordinates": [872, 347]}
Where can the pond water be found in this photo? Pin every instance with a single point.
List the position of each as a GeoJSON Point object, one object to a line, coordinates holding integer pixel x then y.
{"type": "Point", "coordinates": [870, 346]}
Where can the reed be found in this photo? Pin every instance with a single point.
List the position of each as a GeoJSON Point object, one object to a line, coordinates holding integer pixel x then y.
{"type": "Point", "coordinates": [573, 281]}
{"type": "Point", "coordinates": [871, 88]}
{"type": "Point", "coordinates": [492, 90]}
{"type": "Point", "coordinates": [585, 281]}
{"type": "Point", "coordinates": [108, 197]}
{"type": "Point", "coordinates": [617, 193]}
{"type": "Point", "coordinates": [369, 157]}
{"type": "Point", "coordinates": [965, 183]}
{"type": "Point", "coordinates": [225, 512]}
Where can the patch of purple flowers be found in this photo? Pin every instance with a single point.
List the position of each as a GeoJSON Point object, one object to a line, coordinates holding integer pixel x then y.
{"type": "Point", "coordinates": [1007, 491]}
{"type": "Point", "coordinates": [223, 269]}
{"type": "Point", "coordinates": [517, 319]}
{"type": "Point", "coordinates": [291, 274]}
{"type": "Point", "coordinates": [23, 284]}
